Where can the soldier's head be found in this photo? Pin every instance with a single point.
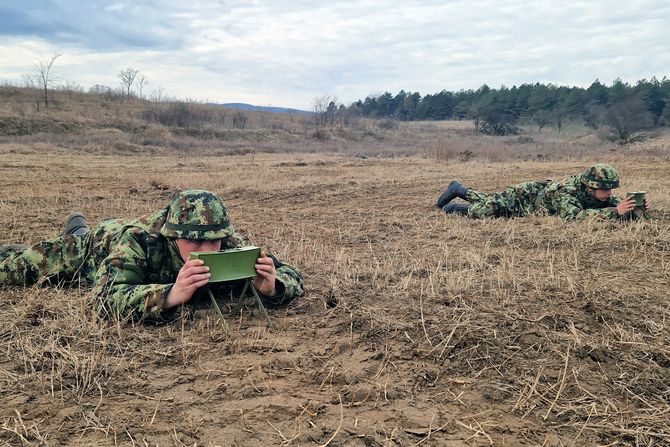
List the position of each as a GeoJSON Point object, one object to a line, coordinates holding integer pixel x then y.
{"type": "Point", "coordinates": [599, 180]}
{"type": "Point", "coordinates": [197, 220]}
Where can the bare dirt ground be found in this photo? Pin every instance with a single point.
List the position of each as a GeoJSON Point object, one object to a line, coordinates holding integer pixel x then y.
{"type": "Point", "coordinates": [417, 328]}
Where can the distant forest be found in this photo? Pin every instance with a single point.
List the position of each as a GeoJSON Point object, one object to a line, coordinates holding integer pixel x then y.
{"type": "Point", "coordinates": [628, 110]}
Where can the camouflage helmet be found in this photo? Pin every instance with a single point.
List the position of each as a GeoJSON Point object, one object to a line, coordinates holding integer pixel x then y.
{"type": "Point", "coordinates": [197, 215]}
{"type": "Point", "coordinates": [600, 176]}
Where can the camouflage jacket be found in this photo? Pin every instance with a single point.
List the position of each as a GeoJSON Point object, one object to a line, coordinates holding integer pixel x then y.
{"type": "Point", "coordinates": [570, 200]}
{"type": "Point", "coordinates": [135, 268]}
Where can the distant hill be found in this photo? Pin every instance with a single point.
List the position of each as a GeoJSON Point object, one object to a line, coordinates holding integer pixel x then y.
{"type": "Point", "coordinates": [244, 106]}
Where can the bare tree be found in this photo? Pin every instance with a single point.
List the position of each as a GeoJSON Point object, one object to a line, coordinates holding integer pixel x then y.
{"type": "Point", "coordinates": [43, 76]}
{"type": "Point", "coordinates": [240, 120]}
{"type": "Point", "coordinates": [158, 95]}
{"type": "Point", "coordinates": [28, 80]}
{"type": "Point", "coordinates": [127, 77]}
{"type": "Point", "coordinates": [320, 107]}
{"type": "Point", "coordinates": [141, 83]}
{"type": "Point", "coordinates": [71, 87]}
{"type": "Point", "coordinates": [625, 122]}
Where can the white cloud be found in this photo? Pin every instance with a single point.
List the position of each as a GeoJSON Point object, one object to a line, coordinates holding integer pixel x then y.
{"type": "Point", "coordinates": [115, 7]}
{"type": "Point", "coordinates": [285, 52]}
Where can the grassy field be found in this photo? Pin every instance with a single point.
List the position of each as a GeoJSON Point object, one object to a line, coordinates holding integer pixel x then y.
{"type": "Point", "coordinates": [417, 328]}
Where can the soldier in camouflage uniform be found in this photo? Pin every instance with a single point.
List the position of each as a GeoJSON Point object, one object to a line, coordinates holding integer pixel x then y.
{"type": "Point", "coordinates": [576, 197]}
{"type": "Point", "coordinates": [140, 268]}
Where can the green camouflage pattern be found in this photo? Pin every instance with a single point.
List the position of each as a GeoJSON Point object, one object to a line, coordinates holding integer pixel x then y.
{"type": "Point", "coordinates": [568, 199]}
{"type": "Point", "coordinates": [197, 215]}
{"type": "Point", "coordinates": [600, 176]}
{"type": "Point", "coordinates": [130, 265]}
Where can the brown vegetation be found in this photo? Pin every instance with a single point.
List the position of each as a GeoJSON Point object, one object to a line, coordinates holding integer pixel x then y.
{"type": "Point", "coordinates": [94, 123]}
{"type": "Point", "coordinates": [418, 328]}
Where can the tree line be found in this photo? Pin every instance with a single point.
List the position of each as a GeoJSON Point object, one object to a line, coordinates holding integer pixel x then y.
{"type": "Point", "coordinates": [621, 112]}
{"type": "Point", "coordinates": [625, 110]}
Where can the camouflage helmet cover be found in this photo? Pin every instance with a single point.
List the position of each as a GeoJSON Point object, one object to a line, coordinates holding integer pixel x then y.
{"type": "Point", "coordinates": [197, 215]}
{"type": "Point", "coordinates": [600, 176]}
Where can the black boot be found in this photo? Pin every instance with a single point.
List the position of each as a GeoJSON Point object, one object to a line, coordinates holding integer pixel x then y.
{"type": "Point", "coordinates": [75, 224]}
{"type": "Point", "coordinates": [454, 190]}
{"type": "Point", "coordinates": [456, 208]}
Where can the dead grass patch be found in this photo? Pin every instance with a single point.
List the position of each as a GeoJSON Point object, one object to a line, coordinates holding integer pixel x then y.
{"type": "Point", "coordinates": [417, 328]}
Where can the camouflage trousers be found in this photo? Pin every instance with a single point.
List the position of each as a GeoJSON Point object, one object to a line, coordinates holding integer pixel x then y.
{"type": "Point", "coordinates": [516, 201]}
{"type": "Point", "coordinates": [63, 258]}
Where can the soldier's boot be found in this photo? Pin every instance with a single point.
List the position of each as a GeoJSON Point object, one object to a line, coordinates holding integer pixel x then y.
{"type": "Point", "coordinates": [76, 224]}
{"type": "Point", "coordinates": [456, 208]}
{"type": "Point", "coordinates": [454, 190]}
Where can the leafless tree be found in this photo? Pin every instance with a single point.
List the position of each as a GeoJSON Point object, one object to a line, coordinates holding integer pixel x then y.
{"type": "Point", "coordinates": [320, 107]}
{"type": "Point", "coordinates": [127, 77]}
{"type": "Point", "coordinates": [43, 76]}
{"type": "Point", "coordinates": [28, 80]}
{"type": "Point", "coordinates": [158, 95]}
{"type": "Point", "coordinates": [71, 87]}
{"type": "Point", "coordinates": [625, 122]}
{"type": "Point", "coordinates": [240, 120]}
{"type": "Point", "coordinates": [141, 83]}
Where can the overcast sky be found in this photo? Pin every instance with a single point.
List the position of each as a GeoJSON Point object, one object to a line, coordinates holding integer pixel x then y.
{"type": "Point", "coordinates": [284, 53]}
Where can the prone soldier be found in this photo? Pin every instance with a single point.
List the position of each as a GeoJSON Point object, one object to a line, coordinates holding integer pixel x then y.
{"type": "Point", "coordinates": [577, 197]}
{"type": "Point", "coordinates": [141, 268]}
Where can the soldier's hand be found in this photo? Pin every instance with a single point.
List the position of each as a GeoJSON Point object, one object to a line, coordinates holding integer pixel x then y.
{"type": "Point", "coordinates": [265, 279]}
{"type": "Point", "coordinates": [626, 206]}
{"type": "Point", "coordinates": [193, 275]}
{"type": "Point", "coordinates": [646, 204]}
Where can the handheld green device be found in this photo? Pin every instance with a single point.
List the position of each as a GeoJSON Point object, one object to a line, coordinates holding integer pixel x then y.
{"type": "Point", "coordinates": [229, 265]}
{"type": "Point", "coordinates": [639, 197]}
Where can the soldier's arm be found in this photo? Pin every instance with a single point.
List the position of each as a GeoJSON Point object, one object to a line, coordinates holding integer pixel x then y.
{"type": "Point", "coordinates": [607, 213]}
{"type": "Point", "coordinates": [289, 284]}
{"type": "Point", "coordinates": [569, 208]}
{"type": "Point", "coordinates": [120, 288]}
{"type": "Point", "coordinates": [637, 213]}
{"type": "Point", "coordinates": [288, 281]}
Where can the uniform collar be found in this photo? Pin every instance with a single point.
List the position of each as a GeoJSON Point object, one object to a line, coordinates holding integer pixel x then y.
{"type": "Point", "coordinates": [175, 258]}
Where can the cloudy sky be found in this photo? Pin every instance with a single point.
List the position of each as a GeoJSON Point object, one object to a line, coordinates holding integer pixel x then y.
{"type": "Point", "coordinates": [286, 52]}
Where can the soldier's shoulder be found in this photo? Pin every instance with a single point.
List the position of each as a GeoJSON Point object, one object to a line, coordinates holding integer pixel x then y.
{"type": "Point", "coordinates": [570, 184]}
{"type": "Point", "coordinates": [145, 227]}
{"type": "Point", "coordinates": [134, 237]}
{"type": "Point", "coordinates": [572, 180]}
{"type": "Point", "coordinates": [125, 232]}
{"type": "Point", "coordinates": [567, 186]}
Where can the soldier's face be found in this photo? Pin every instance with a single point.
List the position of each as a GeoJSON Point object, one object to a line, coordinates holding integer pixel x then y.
{"type": "Point", "coordinates": [602, 194]}
{"type": "Point", "coordinates": [187, 246]}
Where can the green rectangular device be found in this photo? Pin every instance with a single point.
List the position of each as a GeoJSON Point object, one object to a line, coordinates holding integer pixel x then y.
{"type": "Point", "coordinates": [231, 264]}
{"type": "Point", "coordinates": [638, 195]}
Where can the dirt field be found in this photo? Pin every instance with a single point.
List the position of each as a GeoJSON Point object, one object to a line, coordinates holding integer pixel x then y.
{"type": "Point", "coordinates": [417, 328]}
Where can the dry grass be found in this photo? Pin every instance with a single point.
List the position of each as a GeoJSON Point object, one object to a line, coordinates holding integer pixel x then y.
{"type": "Point", "coordinates": [92, 124]}
{"type": "Point", "coordinates": [417, 329]}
